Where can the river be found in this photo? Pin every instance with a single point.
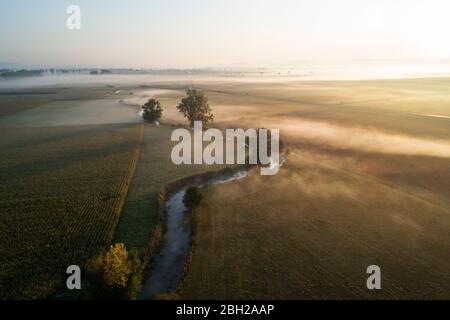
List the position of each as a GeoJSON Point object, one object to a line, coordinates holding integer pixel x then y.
{"type": "Point", "coordinates": [167, 268]}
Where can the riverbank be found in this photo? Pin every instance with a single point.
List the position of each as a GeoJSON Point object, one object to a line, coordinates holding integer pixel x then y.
{"type": "Point", "coordinates": [167, 267]}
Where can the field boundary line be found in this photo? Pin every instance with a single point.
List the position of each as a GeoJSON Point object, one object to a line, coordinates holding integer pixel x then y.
{"type": "Point", "coordinates": [123, 191]}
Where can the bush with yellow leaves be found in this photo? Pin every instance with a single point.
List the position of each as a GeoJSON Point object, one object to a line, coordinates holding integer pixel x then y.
{"type": "Point", "coordinates": [117, 273]}
{"type": "Point", "coordinates": [117, 268]}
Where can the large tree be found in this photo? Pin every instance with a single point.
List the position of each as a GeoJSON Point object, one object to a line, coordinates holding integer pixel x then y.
{"type": "Point", "coordinates": [152, 110]}
{"type": "Point", "coordinates": [195, 107]}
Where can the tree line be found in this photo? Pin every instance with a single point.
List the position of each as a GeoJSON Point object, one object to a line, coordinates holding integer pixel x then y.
{"type": "Point", "coordinates": [194, 107]}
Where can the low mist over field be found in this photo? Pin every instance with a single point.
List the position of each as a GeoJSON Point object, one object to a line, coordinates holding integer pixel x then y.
{"type": "Point", "coordinates": [366, 181]}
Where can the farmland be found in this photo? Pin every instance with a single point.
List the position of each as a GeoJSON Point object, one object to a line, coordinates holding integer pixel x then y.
{"type": "Point", "coordinates": [154, 170]}
{"type": "Point", "coordinates": [63, 182]}
{"type": "Point", "coordinates": [78, 171]}
{"type": "Point", "coordinates": [366, 182]}
{"type": "Point", "coordinates": [62, 190]}
{"type": "Point", "coordinates": [311, 231]}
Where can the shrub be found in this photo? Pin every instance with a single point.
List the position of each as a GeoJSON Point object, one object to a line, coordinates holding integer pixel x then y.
{"type": "Point", "coordinates": [192, 198]}
{"type": "Point", "coordinates": [116, 273]}
{"type": "Point", "coordinates": [117, 268]}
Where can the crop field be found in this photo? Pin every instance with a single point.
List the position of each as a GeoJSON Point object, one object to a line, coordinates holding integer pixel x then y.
{"type": "Point", "coordinates": [63, 107]}
{"type": "Point", "coordinates": [367, 182]}
{"type": "Point", "coordinates": [311, 231]}
{"type": "Point", "coordinates": [61, 195]}
{"type": "Point", "coordinates": [14, 104]}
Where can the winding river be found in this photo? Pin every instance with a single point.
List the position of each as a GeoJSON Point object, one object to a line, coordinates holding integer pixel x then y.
{"type": "Point", "coordinates": [167, 268]}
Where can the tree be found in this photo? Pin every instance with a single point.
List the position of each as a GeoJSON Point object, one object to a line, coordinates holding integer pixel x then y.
{"type": "Point", "coordinates": [152, 110]}
{"type": "Point", "coordinates": [115, 273]}
{"type": "Point", "coordinates": [117, 268]}
{"type": "Point", "coordinates": [195, 107]}
{"type": "Point", "coordinates": [192, 198]}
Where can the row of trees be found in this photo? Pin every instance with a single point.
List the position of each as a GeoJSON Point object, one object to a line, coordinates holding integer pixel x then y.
{"type": "Point", "coordinates": [194, 106]}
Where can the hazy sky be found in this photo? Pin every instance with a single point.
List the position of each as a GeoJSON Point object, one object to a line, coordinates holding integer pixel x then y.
{"type": "Point", "coordinates": [199, 33]}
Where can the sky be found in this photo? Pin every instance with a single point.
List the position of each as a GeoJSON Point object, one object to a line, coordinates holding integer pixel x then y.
{"type": "Point", "coordinates": [211, 33]}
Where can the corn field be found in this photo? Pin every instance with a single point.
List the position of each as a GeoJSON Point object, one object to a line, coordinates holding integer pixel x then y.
{"type": "Point", "coordinates": [61, 193]}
